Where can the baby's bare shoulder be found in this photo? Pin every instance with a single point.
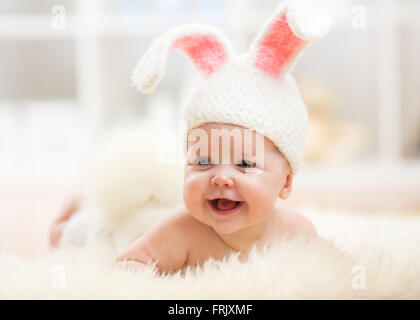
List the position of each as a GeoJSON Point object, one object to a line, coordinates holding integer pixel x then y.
{"type": "Point", "coordinates": [191, 228]}
{"type": "Point", "coordinates": [295, 222]}
{"type": "Point", "coordinates": [164, 243]}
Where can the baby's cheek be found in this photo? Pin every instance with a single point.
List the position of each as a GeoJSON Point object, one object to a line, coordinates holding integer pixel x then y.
{"type": "Point", "coordinates": [194, 187]}
{"type": "Point", "coordinates": [255, 186]}
{"type": "Point", "coordinates": [257, 195]}
{"type": "Point", "coordinates": [260, 196]}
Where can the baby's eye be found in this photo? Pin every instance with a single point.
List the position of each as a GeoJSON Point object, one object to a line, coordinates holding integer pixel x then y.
{"type": "Point", "coordinates": [202, 161]}
{"type": "Point", "coordinates": [246, 164]}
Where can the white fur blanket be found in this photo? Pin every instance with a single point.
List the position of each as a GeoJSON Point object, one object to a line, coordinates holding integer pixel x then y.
{"type": "Point", "coordinates": [378, 256]}
{"type": "Point", "coordinates": [382, 261]}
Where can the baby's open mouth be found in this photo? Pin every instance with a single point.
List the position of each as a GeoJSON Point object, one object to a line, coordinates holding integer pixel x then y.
{"type": "Point", "coordinates": [224, 206]}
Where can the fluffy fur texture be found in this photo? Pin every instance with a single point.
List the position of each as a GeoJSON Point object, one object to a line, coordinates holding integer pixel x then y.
{"type": "Point", "coordinates": [128, 191]}
{"type": "Point", "coordinates": [294, 269]}
{"type": "Point", "coordinates": [131, 181]}
{"type": "Point", "coordinates": [254, 89]}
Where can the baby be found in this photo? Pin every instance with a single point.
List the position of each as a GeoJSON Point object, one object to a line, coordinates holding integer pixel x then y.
{"type": "Point", "coordinates": [251, 103]}
{"type": "Point", "coordinates": [228, 206]}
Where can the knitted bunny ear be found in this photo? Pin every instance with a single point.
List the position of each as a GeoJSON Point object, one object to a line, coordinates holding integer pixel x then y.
{"type": "Point", "coordinates": [289, 31]}
{"type": "Point", "coordinates": [207, 48]}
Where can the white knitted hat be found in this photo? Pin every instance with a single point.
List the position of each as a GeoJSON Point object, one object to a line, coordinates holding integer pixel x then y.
{"type": "Point", "coordinates": [255, 89]}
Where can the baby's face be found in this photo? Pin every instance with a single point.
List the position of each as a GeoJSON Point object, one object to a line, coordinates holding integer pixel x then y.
{"type": "Point", "coordinates": [249, 174]}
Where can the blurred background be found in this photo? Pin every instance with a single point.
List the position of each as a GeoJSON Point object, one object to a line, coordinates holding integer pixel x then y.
{"type": "Point", "coordinates": [65, 82]}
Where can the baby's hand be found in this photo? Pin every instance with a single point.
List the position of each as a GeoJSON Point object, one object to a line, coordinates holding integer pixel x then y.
{"type": "Point", "coordinates": [164, 244]}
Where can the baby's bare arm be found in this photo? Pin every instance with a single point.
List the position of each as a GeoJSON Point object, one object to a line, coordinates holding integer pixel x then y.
{"type": "Point", "coordinates": [165, 243]}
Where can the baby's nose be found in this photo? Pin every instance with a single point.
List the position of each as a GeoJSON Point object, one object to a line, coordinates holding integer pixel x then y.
{"type": "Point", "coordinates": [222, 181]}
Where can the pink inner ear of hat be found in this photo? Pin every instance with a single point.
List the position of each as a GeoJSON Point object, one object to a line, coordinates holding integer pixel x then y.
{"type": "Point", "coordinates": [206, 51]}
{"type": "Point", "coordinates": [277, 48]}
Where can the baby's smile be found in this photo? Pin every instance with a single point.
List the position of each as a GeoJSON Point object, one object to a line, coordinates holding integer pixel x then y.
{"type": "Point", "coordinates": [224, 206]}
{"type": "Point", "coordinates": [241, 190]}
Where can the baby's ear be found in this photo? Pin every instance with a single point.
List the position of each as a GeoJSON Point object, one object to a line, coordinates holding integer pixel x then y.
{"type": "Point", "coordinates": [293, 26]}
{"type": "Point", "coordinates": [287, 188]}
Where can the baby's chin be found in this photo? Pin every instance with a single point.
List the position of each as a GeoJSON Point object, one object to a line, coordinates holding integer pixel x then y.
{"type": "Point", "coordinates": [241, 221]}
{"type": "Point", "coordinates": [226, 227]}
{"type": "Point", "coordinates": [229, 223]}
